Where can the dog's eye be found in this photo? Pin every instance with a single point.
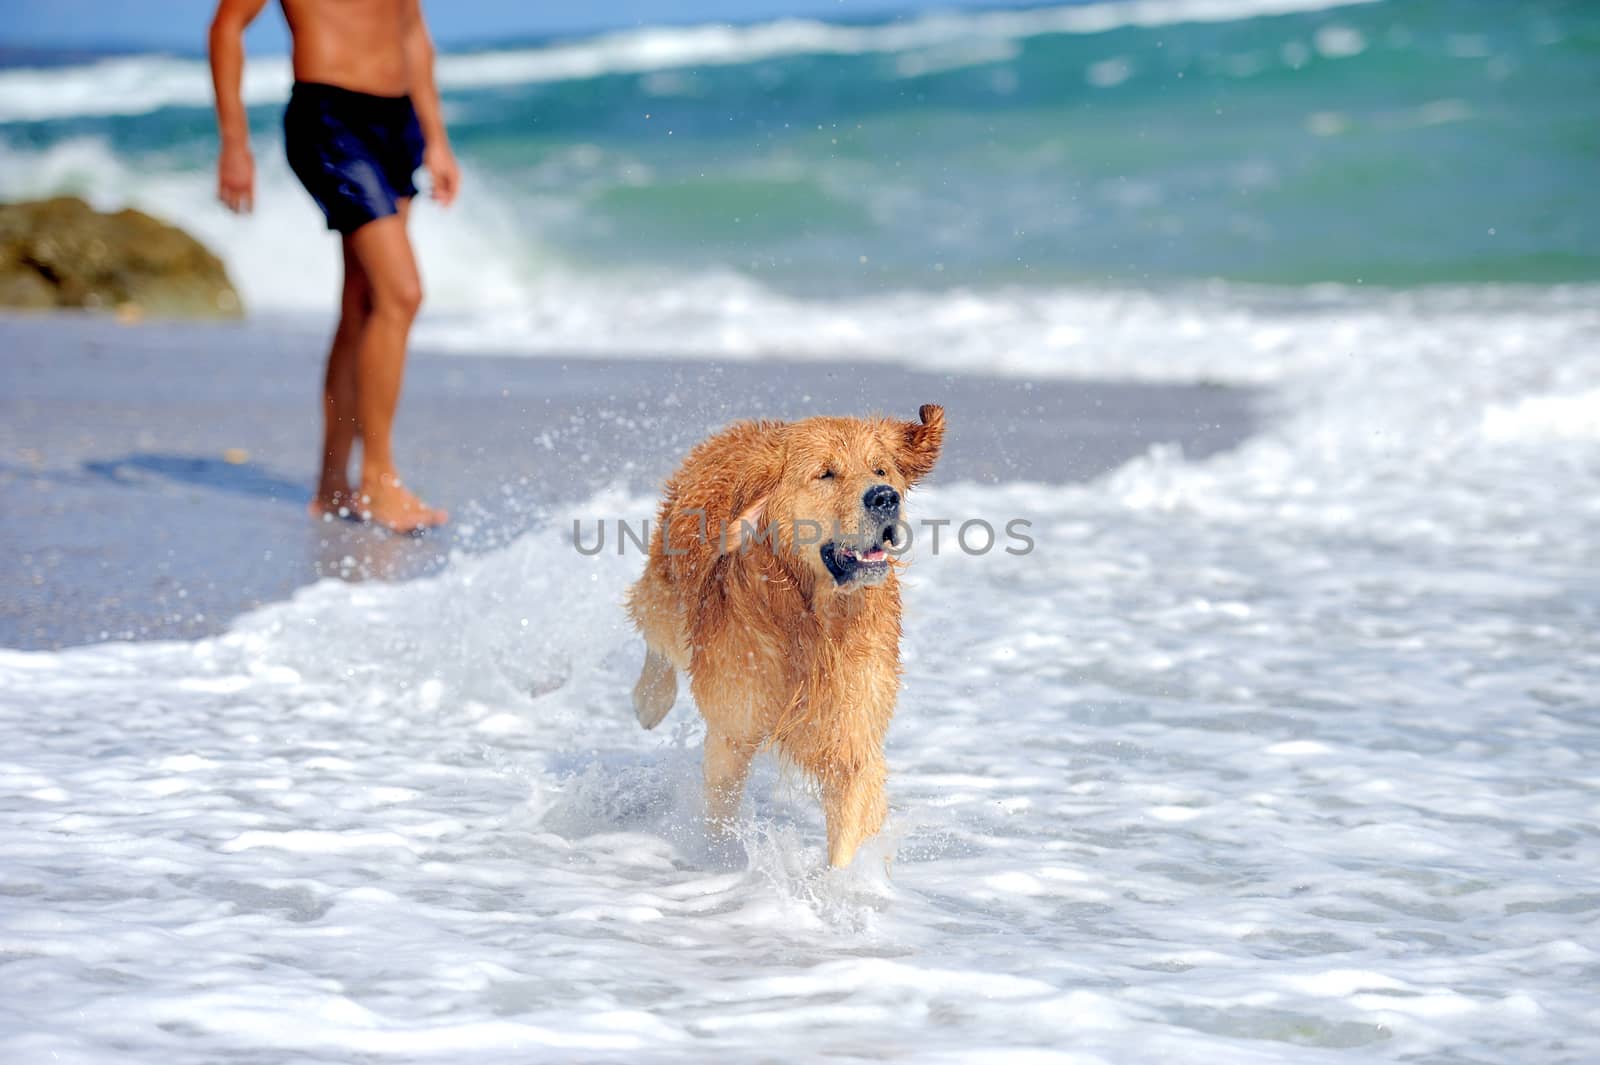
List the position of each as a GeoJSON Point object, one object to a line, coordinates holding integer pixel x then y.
{"type": "Point", "coordinates": [880, 472]}
{"type": "Point", "coordinates": [825, 475]}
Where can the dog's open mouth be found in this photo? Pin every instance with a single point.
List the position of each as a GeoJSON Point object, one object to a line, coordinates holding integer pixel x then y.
{"type": "Point", "coordinates": [850, 562]}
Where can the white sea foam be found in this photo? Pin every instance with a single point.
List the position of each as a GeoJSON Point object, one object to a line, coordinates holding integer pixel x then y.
{"type": "Point", "coordinates": [1193, 333]}
{"type": "Point", "coordinates": [1282, 756]}
{"type": "Point", "coordinates": [1561, 416]}
{"type": "Point", "coordinates": [128, 86]}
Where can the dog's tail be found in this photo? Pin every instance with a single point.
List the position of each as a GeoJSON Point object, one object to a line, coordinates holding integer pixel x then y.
{"type": "Point", "coordinates": [656, 690]}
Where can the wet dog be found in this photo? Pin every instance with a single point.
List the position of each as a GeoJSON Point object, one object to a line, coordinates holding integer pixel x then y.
{"type": "Point", "coordinates": [770, 582]}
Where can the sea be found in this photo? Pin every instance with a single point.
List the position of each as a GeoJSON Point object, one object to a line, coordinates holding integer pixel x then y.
{"type": "Point", "coordinates": [1284, 754]}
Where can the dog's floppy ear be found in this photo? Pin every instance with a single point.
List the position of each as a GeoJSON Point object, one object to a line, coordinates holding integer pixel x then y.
{"type": "Point", "coordinates": [756, 480]}
{"type": "Point", "coordinates": [920, 442]}
{"type": "Point", "coordinates": [726, 477]}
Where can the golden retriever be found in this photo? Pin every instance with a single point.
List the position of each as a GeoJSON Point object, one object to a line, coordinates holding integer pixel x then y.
{"type": "Point", "coordinates": [768, 583]}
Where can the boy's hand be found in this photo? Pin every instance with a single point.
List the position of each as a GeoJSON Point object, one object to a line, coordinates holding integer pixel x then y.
{"type": "Point", "coordinates": [236, 178]}
{"type": "Point", "coordinates": [443, 172]}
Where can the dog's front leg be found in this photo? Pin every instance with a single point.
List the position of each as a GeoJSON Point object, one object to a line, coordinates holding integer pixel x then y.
{"type": "Point", "coordinates": [854, 805]}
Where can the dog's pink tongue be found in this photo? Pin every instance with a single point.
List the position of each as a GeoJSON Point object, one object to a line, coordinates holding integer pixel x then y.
{"type": "Point", "coordinates": [875, 555]}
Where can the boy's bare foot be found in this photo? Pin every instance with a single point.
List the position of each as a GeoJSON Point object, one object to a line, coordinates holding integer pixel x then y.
{"type": "Point", "coordinates": [333, 500]}
{"type": "Point", "coordinates": [384, 501]}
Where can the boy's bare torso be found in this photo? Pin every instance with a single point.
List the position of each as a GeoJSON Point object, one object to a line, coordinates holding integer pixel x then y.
{"type": "Point", "coordinates": [354, 44]}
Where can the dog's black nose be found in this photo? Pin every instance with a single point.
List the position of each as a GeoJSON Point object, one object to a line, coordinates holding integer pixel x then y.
{"type": "Point", "coordinates": [882, 499]}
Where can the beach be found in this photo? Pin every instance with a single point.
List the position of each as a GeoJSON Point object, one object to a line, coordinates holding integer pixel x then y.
{"type": "Point", "coordinates": [1274, 325]}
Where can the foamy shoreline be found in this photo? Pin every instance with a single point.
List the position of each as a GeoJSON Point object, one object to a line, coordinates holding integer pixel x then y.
{"type": "Point", "coordinates": [127, 520]}
{"type": "Point", "coordinates": [1282, 755]}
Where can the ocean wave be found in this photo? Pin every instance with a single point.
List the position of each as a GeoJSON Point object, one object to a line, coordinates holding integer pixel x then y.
{"type": "Point", "coordinates": [1205, 333]}
{"type": "Point", "coordinates": [128, 85]}
{"type": "Point", "coordinates": [494, 287]}
{"type": "Point", "coordinates": [141, 84]}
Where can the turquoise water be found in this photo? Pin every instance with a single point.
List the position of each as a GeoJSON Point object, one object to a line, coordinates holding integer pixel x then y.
{"type": "Point", "coordinates": [1394, 143]}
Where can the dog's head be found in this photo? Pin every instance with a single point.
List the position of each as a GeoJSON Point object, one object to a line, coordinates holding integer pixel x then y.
{"type": "Point", "coordinates": [830, 493]}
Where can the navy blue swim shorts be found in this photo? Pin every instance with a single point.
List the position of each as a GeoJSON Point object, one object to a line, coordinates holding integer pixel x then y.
{"type": "Point", "coordinates": [354, 152]}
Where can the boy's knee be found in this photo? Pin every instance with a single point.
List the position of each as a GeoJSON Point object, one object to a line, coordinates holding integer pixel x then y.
{"type": "Point", "coordinates": [403, 299]}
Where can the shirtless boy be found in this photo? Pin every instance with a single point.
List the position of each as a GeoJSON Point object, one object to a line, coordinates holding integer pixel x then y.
{"type": "Point", "coordinates": [364, 114]}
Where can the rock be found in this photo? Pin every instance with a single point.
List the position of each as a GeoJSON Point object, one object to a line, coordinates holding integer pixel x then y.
{"type": "Point", "coordinates": [63, 253]}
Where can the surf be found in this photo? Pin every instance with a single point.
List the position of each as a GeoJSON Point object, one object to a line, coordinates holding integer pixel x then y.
{"type": "Point", "coordinates": [1122, 146]}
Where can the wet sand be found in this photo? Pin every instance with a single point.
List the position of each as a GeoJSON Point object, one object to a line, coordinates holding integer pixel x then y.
{"type": "Point", "coordinates": [154, 478]}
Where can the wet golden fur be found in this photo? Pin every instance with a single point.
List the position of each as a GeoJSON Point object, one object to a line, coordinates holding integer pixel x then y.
{"type": "Point", "coordinates": [777, 652]}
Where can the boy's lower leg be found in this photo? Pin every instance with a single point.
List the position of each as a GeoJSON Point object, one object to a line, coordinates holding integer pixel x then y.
{"type": "Point", "coordinates": [385, 256]}
{"type": "Point", "coordinates": [341, 423]}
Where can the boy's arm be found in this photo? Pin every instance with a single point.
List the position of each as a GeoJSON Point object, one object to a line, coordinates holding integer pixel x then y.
{"type": "Point", "coordinates": [236, 170]}
{"type": "Point", "coordinates": [436, 156]}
